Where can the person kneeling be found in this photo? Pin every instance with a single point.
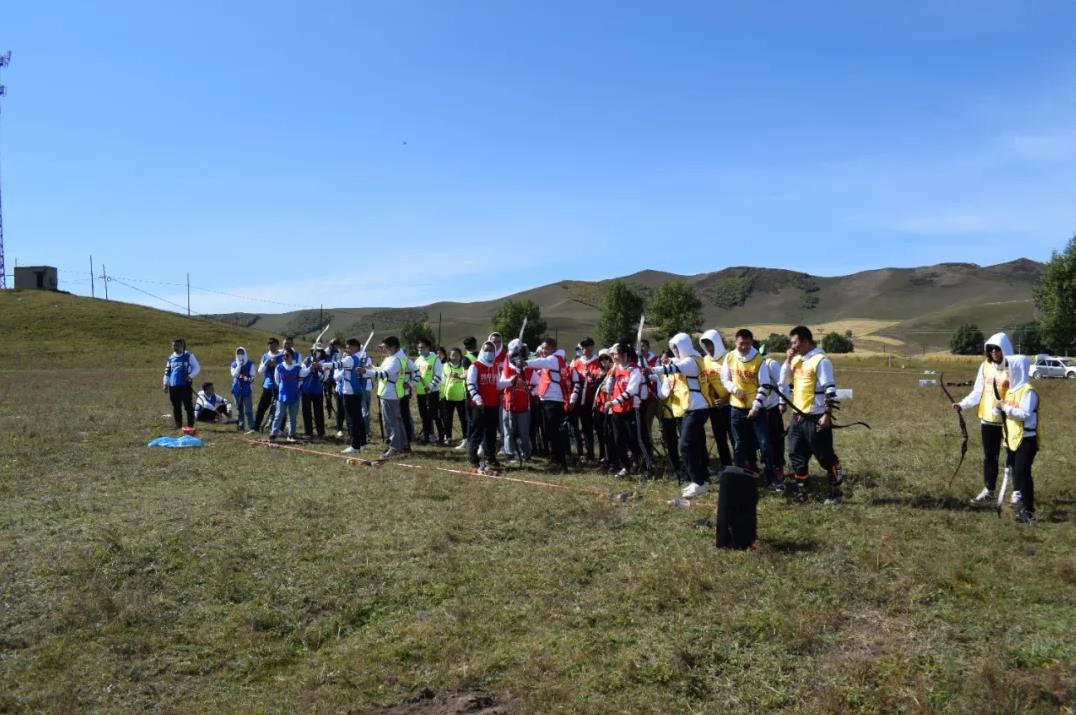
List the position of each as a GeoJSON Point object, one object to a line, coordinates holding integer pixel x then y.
{"type": "Point", "coordinates": [211, 407]}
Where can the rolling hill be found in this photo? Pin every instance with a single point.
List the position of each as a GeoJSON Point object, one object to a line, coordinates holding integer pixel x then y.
{"type": "Point", "coordinates": [895, 309]}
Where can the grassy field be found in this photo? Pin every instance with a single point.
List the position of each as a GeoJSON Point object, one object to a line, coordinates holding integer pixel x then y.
{"type": "Point", "coordinates": [239, 579]}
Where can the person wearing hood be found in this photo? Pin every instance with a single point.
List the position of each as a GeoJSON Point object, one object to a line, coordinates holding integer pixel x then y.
{"type": "Point", "coordinates": [750, 427]}
{"type": "Point", "coordinates": [392, 375]}
{"type": "Point", "coordinates": [695, 395]}
{"type": "Point", "coordinates": [514, 384]}
{"type": "Point", "coordinates": [485, 397]}
{"type": "Point", "coordinates": [720, 416]}
{"type": "Point", "coordinates": [991, 384]}
{"type": "Point", "coordinates": [1020, 410]}
{"type": "Point", "coordinates": [554, 385]}
{"type": "Point", "coordinates": [242, 370]}
{"type": "Point", "coordinates": [813, 395]}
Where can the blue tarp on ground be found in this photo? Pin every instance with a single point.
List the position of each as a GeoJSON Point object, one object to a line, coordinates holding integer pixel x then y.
{"type": "Point", "coordinates": [184, 441]}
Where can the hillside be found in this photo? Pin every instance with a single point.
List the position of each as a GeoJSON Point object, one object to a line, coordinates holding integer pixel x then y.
{"type": "Point", "coordinates": [908, 308]}
{"type": "Point", "coordinates": [59, 327]}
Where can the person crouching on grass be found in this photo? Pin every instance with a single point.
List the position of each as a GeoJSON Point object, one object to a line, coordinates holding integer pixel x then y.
{"type": "Point", "coordinates": [211, 407]}
{"type": "Point", "coordinates": [1020, 408]}
{"type": "Point", "coordinates": [179, 372]}
{"type": "Point", "coordinates": [288, 375]}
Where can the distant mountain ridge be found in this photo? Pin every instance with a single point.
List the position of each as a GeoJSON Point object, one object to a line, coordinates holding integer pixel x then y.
{"type": "Point", "coordinates": [916, 306]}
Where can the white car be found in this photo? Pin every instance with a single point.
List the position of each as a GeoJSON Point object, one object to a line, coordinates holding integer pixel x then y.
{"type": "Point", "coordinates": [1046, 366]}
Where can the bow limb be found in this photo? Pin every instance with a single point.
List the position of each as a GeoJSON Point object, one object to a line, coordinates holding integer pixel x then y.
{"type": "Point", "coordinates": [963, 428]}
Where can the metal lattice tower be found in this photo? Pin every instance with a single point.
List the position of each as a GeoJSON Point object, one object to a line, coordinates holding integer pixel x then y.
{"type": "Point", "coordinates": [5, 59]}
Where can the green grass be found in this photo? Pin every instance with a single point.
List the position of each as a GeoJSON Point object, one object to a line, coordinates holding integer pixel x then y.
{"type": "Point", "coordinates": [240, 579]}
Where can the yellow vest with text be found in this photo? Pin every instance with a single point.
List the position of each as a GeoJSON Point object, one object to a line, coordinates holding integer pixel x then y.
{"type": "Point", "coordinates": [804, 380]}
{"type": "Point", "coordinates": [987, 402]}
{"type": "Point", "coordinates": [398, 382]}
{"type": "Point", "coordinates": [745, 376]}
{"type": "Point", "coordinates": [1014, 427]}
{"type": "Point", "coordinates": [713, 375]}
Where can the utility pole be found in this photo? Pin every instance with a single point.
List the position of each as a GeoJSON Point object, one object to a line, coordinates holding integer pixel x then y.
{"type": "Point", "coordinates": [104, 279]}
{"type": "Point", "coordinates": [5, 60]}
{"type": "Point", "coordinates": [188, 294]}
{"type": "Point", "coordinates": [91, 278]}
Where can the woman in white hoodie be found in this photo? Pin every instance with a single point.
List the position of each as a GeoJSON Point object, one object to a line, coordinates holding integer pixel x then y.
{"type": "Point", "coordinates": [713, 353]}
{"type": "Point", "coordinates": [991, 384]}
{"type": "Point", "coordinates": [242, 370]}
{"type": "Point", "coordinates": [1020, 410]}
{"type": "Point", "coordinates": [687, 362]}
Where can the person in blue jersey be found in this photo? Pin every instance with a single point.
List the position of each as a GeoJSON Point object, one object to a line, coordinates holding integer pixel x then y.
{"type": "Point", "coordinates": [313, 395]}
{"type": "Point", "coordinates": [267, 369]}
{"type": "Point", "coordinates": [242, 370]}
{"type": "Point", "coordinates": [179, 372]}
{"type": "Point", "coordinates": [351, 388]}
{"type": "Point", "coordinates": [333, 394]}
{"type": "Point", "coordinates": [211, 407]}
{"type": "Point", "coordinates": [289, 375]}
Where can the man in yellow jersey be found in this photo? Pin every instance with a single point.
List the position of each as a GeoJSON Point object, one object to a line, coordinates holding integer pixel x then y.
{"type": "Point", "coordinates": [992, 374]}
{"type": "Point", "coordinates": [814, 393]}
{"type": "Point", "coordinates": [1020, 410]}
{"type": "Point", "coordinates": [750, 425]}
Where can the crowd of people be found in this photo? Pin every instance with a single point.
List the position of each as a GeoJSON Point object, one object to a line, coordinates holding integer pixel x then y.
{"type": "Point", "coordinates": [595, 410]}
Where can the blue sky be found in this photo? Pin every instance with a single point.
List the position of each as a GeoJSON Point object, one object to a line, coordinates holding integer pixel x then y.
{"type": "Point", "coordinates": [398, 153]}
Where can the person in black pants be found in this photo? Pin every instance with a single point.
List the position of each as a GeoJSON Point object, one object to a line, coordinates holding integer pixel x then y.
{"type": "Point", "coordinates": [313, 397]}
{"type": "Point", "coordinates": [179, 372]}
{"type": "Point", "coordinates": [554, 382]}
{"type": "Point", "coordinates": [267, 368]}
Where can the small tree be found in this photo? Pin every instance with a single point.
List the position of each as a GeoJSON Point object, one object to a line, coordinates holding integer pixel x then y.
{"type": "Point", "coordinates": [675, 308]}
{"type": "Point", "coordinates": [967, 340]}
{"type": "Point", "coordinates": [778, 344]}
{"type": "Point", "coordinates": [509, 317]}
{"type": "Point", "coordinates": [1055, 299]}
{"type": "Point", "coordinates": [413, 331]}
{"type": "Point", "coordinates": [621, 307]}
{"type": "Point", "coordinates": [1027, 339]}
{"type": "Point", "coordinates": [836, 343]}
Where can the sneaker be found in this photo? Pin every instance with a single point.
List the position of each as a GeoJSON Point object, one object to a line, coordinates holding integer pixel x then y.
{"type": "Point", "coordinates": [461, 446]}
{"type": "Point", "coordinates": [481, 450]}
{"type": "Point", "coordinates": [1025, 517]}
{"type": "Point", "coordinates": [1016, 498]}
{"type": "Point", "coordinates": [985, 497]}
{"type": "Point", "coordinates": [339, 433]}
{"type": "Point", "coordinates": [693, 490]}
{"type": "Point", "coordinates": [348, 450]}
{"type": "Point", "coordinates": [777, 486]}
{"type": "Point", "coordinates": [389, 453]}
{"type": "Point", "coordinates": [798, 492]}
{"type": "Point", "coordinates": [835, 497]}
{"type": "Point", "coordinates": [249, 432]}
{"type": "Point", "coordinates": [623, 472]}
{"type": "Point", "coordinates": [290, 439]}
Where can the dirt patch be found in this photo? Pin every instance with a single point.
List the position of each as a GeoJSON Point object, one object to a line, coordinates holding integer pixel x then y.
{"type": "Point", "coordinates": [469, 703]}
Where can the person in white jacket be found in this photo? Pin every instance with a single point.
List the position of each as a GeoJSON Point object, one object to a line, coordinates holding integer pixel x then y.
{"type": "Point", "coordinates": [554, 391]}
{"type": "Point", "coordinates": [1020, 410]}
{"type": "Point", "coordinates": [687, 362]}
{"type": "Point", "coordinates": [991, 384]}
{"type": "Point", "coordinates": [393, 374]}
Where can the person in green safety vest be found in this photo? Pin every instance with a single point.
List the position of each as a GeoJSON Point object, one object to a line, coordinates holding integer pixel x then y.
{"type": "Point", "coordinates": [427, 390]}
{"type": "Point", "coordinates": [453, 393]}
